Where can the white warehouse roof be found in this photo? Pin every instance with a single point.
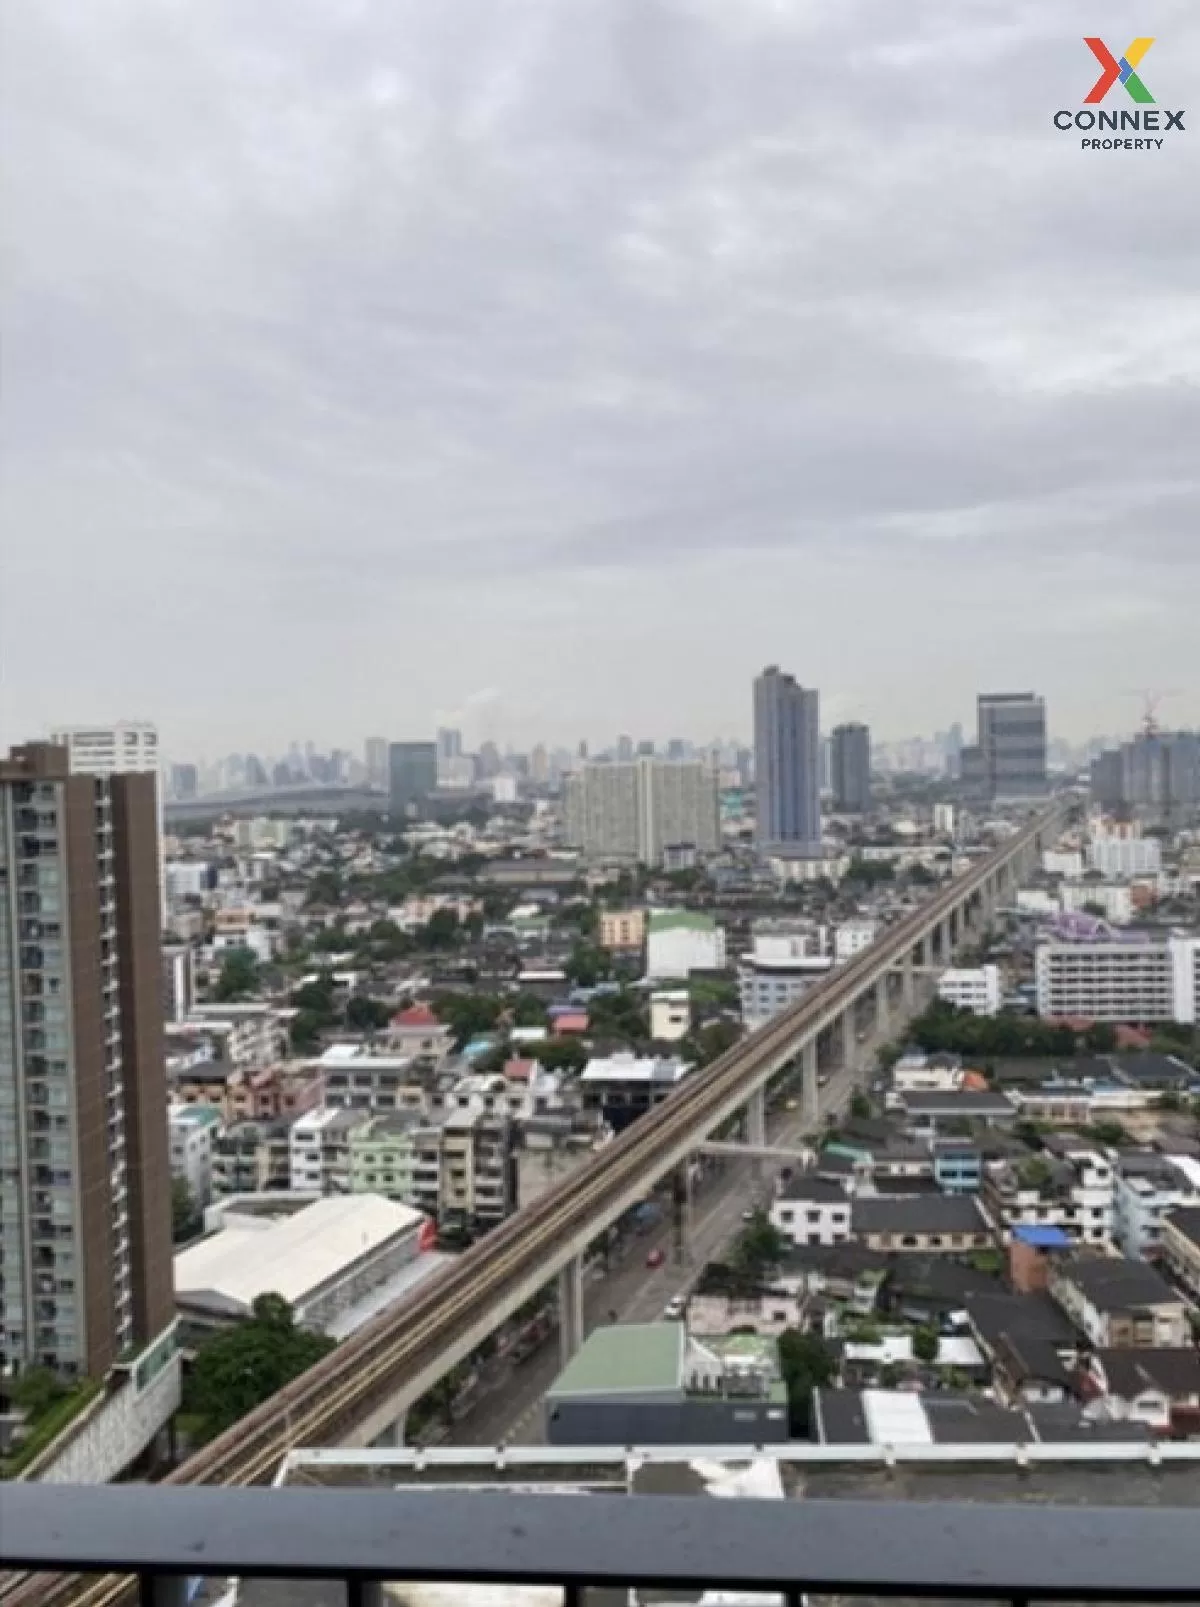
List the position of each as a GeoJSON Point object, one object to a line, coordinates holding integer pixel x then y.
{"type": "Point", "coordinates": [291, 1255]}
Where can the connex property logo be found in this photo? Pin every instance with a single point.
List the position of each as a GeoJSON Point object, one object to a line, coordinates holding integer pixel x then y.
{"type": "Point", "coordinates": [1129, 130]}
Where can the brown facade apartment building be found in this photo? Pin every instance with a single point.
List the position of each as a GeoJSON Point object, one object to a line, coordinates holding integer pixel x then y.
{"type": "Point", "coordinates": [85, 1215]}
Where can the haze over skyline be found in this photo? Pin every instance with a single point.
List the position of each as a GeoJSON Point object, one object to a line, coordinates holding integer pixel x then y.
{"type": "Point", "coordinates": [566, 362]}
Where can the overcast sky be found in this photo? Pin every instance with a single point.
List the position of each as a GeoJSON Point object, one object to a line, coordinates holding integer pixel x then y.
{"type": "Point", "coordinates": [559, 363]}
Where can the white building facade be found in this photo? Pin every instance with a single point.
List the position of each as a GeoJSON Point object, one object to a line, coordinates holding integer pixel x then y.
{"type": "Point", "coordinates": [974, 988]}
{"type": "Point", "coordinates": [1136, 981]}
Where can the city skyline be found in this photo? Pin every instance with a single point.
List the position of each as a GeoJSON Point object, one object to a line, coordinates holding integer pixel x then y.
{"type": "Point", "coordinates": [481, 347]}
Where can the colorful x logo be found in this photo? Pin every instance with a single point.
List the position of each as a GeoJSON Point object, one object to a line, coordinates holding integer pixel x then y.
{"type": "Point", "coordinates": [1122, 69]}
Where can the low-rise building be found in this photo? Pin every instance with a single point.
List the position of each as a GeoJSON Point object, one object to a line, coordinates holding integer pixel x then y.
{"type": "Point", "coordinates": [319, 1151]}
{"type": "Point", "coordinates": [928, 1115]}
{"type": "Point", "coordinates": [241, 1034]}
{"type": "Point", "coordinates": [477, 1169]}
{"type": "Point", "coordinates": [1180, 1244]}
{"type": "Point", "coordinates": [670, 1015]}
{"type": "Point", "coordinates": [654, 1384]}
{"type": "Point", "coordinates": [251, 1157]}
{"type": "Point", "coordinates": [1160, 1388]}
{"type": "Point", "coordinates": [919, 1073]}
{"type": "Point", "coordinates": [784, 962]}
{"type": "Point", "coordinates": [679, 942]}
{"type": "Point", "coordinates": [323, 1256]}
{"type": "Point", "coordinates": [1120, 1303]}
{"type": "Point", "coordinates": [1148, 1187]}
{"type": "Point", "coordinates": [622, 931]}
{"type": "Point", "coordinates": [1135, 981]}
{"type": "Point", "coordinates": [359, 1077]}
{"type": "Point", "coordinates": [946, 1223]}
{"type": "Point", "coordinates": [975, 988]}
{"type": "Point", "coordinates": [190, 1130]}
{"type": "Point", "coordinates": [382, 1157]}
{"type": "Point", "coordinates": [417, 1033]}
{"type": "Point", "coordinates": [1069, 1186]}
{"type": "Point", "coordinates": [852, 937]}
{"type": "Point", "coordinates": [625, 1085]}
{"type": "Point", "coordinates": [811, 1210]}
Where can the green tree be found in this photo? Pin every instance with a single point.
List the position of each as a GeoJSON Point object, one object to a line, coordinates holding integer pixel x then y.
{"type": "Point", "coordinates": [588, 965]}
{"type": "Point", "coordinates": [807, 1363]}
{"type": "Point", "coordinates": [468, 1014]}
{"type": "Point", "coordinates": [366, 1015]}
{"type": "Point", "coordinates": [760, 1245]}
{"type": "Point", "coordinates": [708, 1043]}
{"type": "Point", "coordinates": [318, 998]}
{"type": "Point", "coordinates": [304, 1034]}
{"type": "Point", "coordinates": [528, 1011]}
{"type": "Point", "coordinates": [238, 978]}
{"type": "Point", "coordinates": [1101, 1037]}
{"type": "Point", "coordinates": [925, 1343]}
{"type": "Point", "coordinates": [860, 1105]}
{"type": "Point", "coordinates": [560, 1054]}
{"type": "Point", "coordinates": [243, 1366]}
{"type": "Point", "coordinates": [441, 931]}
{"type": "Point", "coordinates": [185, 1215]}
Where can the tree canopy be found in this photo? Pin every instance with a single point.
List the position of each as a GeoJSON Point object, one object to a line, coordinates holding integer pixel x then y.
{"type": "Point", "coordinates": [243, 1366]}
{"type": "Point", "coordinates": [238, 978]}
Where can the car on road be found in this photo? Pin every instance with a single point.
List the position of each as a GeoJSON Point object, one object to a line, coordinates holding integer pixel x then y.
{"type": "Point", "coordinates": [674, 1309]}
{"type": "Point", "coordinates": [655, 1258]}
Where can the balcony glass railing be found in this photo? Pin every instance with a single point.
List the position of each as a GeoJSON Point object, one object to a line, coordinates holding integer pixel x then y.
{"type": "Point", "coordinates": [631, 1548]}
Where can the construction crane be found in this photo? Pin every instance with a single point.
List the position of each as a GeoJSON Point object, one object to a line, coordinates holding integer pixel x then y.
{"type": "Point", "coordinates": [1151, 698]}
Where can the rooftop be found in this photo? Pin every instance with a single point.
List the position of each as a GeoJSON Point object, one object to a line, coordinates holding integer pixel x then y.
{"type": "Point", "coordinates": [918, 1214]}
{"type": "Point", "coordinates": [1114, 1283]}
{"type": "Point", "coordinates": [680, 920]}
{"type": "Point", "coordinates": [290, 1256]}
{"type": "Point", "coordinates": [625, 1358]}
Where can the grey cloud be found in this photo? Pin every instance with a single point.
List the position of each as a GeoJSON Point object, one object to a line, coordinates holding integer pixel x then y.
{"type": "Point", "coordinates": [357, 318]}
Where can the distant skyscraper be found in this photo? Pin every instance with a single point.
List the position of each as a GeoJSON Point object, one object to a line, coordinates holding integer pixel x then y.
{"type": "Point", "coordinates": [375, 757]}
{"type": "Point", "coordinates": [787, 759]}
{"type": "Point", "coordinates": [539, 766]}
{"type": "Point", "coordinates": [1012, 744]}
{"type": "Point", "coordinates": [645, 748]}
{"type": "Point", "coordinates": [85, 1190]}
{"type": "Point", "coordinates": [624, 749]}
{"type": "Point", "coordinates": [256, 771]}
{"type": "Point", "coordinates": [449, 743]}
{"type": "Point", "coordinates": [637, 810]}
{"type": "Point", "coordinates": [185, 781]}
{"type": "Point", "coordinates": [490, 763]}
{"type": "Point", "coordinates": [952, 751]}
{"type": "Point", "coordinates": [851, 766]}
{"type": "Point", "coordinates": [412, 774]}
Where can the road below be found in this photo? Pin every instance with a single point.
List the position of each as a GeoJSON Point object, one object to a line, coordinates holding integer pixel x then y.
{"type": "Point", "coordinates": [509, 1409]}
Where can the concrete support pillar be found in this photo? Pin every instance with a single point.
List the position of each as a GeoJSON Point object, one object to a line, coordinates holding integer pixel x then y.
{"type": "Point", "coordinates": [681, 1213]}
{"type": "Point", "coordinates": [756, 1119]}
{"type": "Point", "coordinates": [392, 1437]}
{"type": "Point", "coordinates": [570, 1309]}
{"type": "Point", "coordinates": [883, 1003]}
{"type": "Point", "coordinates": [809, 1091]}
{"type": "Point", "coordinates": [908, 987]}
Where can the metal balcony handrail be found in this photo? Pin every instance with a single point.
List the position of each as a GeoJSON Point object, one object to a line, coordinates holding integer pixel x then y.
{"type": "Point", "coordinates": [957, 1551]}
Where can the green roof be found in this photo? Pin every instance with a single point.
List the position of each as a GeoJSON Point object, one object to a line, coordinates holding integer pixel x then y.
{"type": "Point", "coordinates": [671, 920]}
{"type": "Point", "coordinates": [624, 1356]}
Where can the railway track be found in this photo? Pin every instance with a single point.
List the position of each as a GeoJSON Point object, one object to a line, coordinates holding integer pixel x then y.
{"type": "Point", "coordinates": [407, 1339]}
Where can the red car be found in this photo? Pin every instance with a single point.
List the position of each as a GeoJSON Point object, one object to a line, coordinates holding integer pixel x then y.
{"type": "Point", "coordinates": [655, 1258]}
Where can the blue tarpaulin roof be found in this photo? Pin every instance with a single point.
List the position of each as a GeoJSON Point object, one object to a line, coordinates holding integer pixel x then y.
{"type": "Point", "coordinates": [1042, 1238]}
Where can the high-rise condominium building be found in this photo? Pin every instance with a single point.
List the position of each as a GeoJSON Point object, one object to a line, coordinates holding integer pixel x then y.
{"type": "Point", "coordinates": [412, 774]}
{"type": "Point", "coordinates": [85, 1188]}
{"type": "Point", "coordinates": [1009, 759]}
{"type": "Point", "coordinates": [1156, 776]}
{"type": "Point", "coordinates": [787, 766]}
{"type": "Point", "coordinates": [637, 810]}
{"type": "Point", "coordinates": [851, 764]}
{"type": "Point", "coordinates": [449, 743]}
{"type": "Point", "coordinates": [128, 748]}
